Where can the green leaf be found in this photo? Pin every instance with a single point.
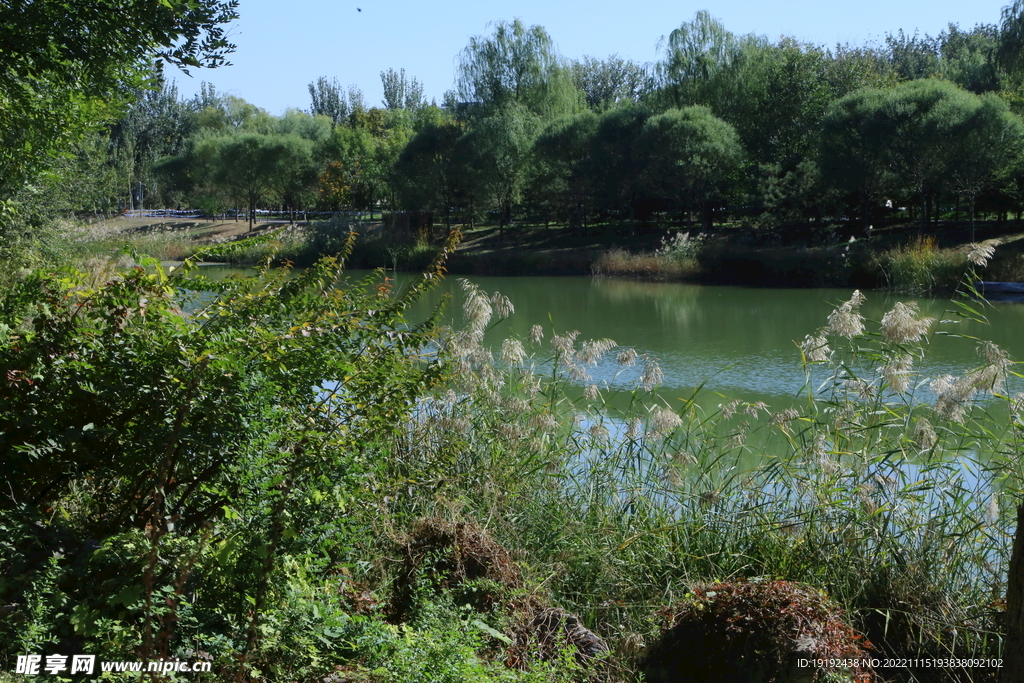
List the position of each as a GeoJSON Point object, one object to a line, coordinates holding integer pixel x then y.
{"type": "Point", "coordinates": [494, 633]}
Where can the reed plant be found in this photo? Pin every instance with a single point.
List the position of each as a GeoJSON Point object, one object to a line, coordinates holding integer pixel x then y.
{"type": "Point", "coordinates": [922, 267]}
{"type": "Point", "coordinates": [678, 258]}
{"type": "Point", "coordinates": [622, 263]}
{"type": "Point", "coordinates": [884, 488]}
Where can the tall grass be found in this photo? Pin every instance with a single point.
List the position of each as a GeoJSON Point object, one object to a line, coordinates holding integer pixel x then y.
{"type": "Point", "coordinates": [922, 266]}
{"type": "Point", "coordinates": [678, 258]}
{"type": "Point", "coordinates": [884, 488]}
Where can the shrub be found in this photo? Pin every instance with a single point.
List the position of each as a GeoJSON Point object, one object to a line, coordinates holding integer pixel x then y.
{"type": "Point", "coordinates": [193, 418]}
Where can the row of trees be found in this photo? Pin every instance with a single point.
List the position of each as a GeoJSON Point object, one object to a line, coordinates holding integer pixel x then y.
{"type": "Point", "coordinates": [783, 131]}
{"type": "Point", "coordinates": [780, 131]}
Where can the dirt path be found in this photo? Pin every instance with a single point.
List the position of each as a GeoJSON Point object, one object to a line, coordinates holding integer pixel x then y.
{"type": "Point", "coordinates": [199, 231]}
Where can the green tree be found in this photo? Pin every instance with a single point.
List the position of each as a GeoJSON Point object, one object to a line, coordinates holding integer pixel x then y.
{"type": "Point", "coordinates": [364, 152]}
{"type": "Point", "coordinates": [516, 65]}
{"type": "Point", "coordinates": [924, 117]}
{"type": "Point", "coordinates": [919, 138]}
{"type": "Point", "coordinates": [254, 167]}
{"type": "Point", "coordinates": [401, 92]}
{"type": "Point", "coordinates": [771, 77]}
{"type": "Point", "coordinates": [1010, 52]}
{"type": "Point", "coordinates": [746, 80]}
{"type": "Point", "coordinates": [329, 100]}
{"type": "Point", "coordinates": [986, 148]}
{"type": "Point", "coordinates": [223, 114]}
{"type": "Point", "coordinates": [66, 66]}
{"type": "Point", "coordinates": [617, 162]}
{"type": "Point", "coordinates": [792, 196]}
{"type": "Point", "coordinates": [968, 58]}
{"type": "Point", "coordinates": [913, 56]}
{"type": "Point", "coordinates": [606, 83]}
{"type": "Point", "coordinates": [501, 145]}
{"type": "Point", "coordinates": [430, 169]}
{"type": "Point", "coordinates": [699, 61]}
{"type": "Point", "coordinates": [852, 67]}
{"type": "Point", "coordinates": [158, 124]}
{"type": "Point", "coordinates": [690, 155]}
{"type": "Point", "coordinates": [562, 154]}
{"type": "Point", "coordinates": [316, 129]}
{"type": "Point", "coordinates": [856, 155]}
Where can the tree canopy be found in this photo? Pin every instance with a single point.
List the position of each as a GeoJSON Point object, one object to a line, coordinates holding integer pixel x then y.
{"type": "Point", "coordinates": [516, 65]}
{"type": "Point", "coordinates": [65, 66]}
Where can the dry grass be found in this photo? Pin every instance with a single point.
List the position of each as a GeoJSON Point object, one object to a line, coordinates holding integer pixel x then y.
{"type": "Point", "coordinates": [544, 633]}
{"type": "Point", "coordinates": [653, 266]}
{"type": "Point", "coordinates": [177, 240]}
{"type": "Point", "coordinates": [444, 555]}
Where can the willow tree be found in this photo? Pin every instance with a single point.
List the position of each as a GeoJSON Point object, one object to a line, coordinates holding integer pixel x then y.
{"type": "Point", "coordinates": [255, 168]}
{"type": "Point", "coordinates": [699, 63]}
{"type": "Point", "coordinates": [1010, 51]}
{"type": "Point", "coordinates": [501, 145]}
{"type": "Point", "coordinates": [515, 65]}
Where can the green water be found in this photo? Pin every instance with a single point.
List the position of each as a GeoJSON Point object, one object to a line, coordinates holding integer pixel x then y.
{"type": "Point", "coordinates": [740, 342]}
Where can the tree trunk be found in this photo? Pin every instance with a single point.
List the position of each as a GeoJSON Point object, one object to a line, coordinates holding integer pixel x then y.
{"type": "Point", "coordinates": [972, 218]}
{"type": "Point", "coordinates": [1013, 652]}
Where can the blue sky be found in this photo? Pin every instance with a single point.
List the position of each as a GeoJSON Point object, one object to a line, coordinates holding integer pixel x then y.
{"type": "Point", "coordinates": [283, 46]}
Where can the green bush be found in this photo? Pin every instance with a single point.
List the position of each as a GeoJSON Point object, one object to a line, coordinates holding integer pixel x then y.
{"type": "Point", "coordinates": [187, 424]}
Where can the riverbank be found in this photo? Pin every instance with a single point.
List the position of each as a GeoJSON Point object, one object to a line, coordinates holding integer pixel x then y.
{"type": "Point", "coordinates": [896, 257]}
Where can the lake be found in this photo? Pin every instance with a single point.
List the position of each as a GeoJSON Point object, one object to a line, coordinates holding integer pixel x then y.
{"type": "Point", "coordinates": [740, 342]}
